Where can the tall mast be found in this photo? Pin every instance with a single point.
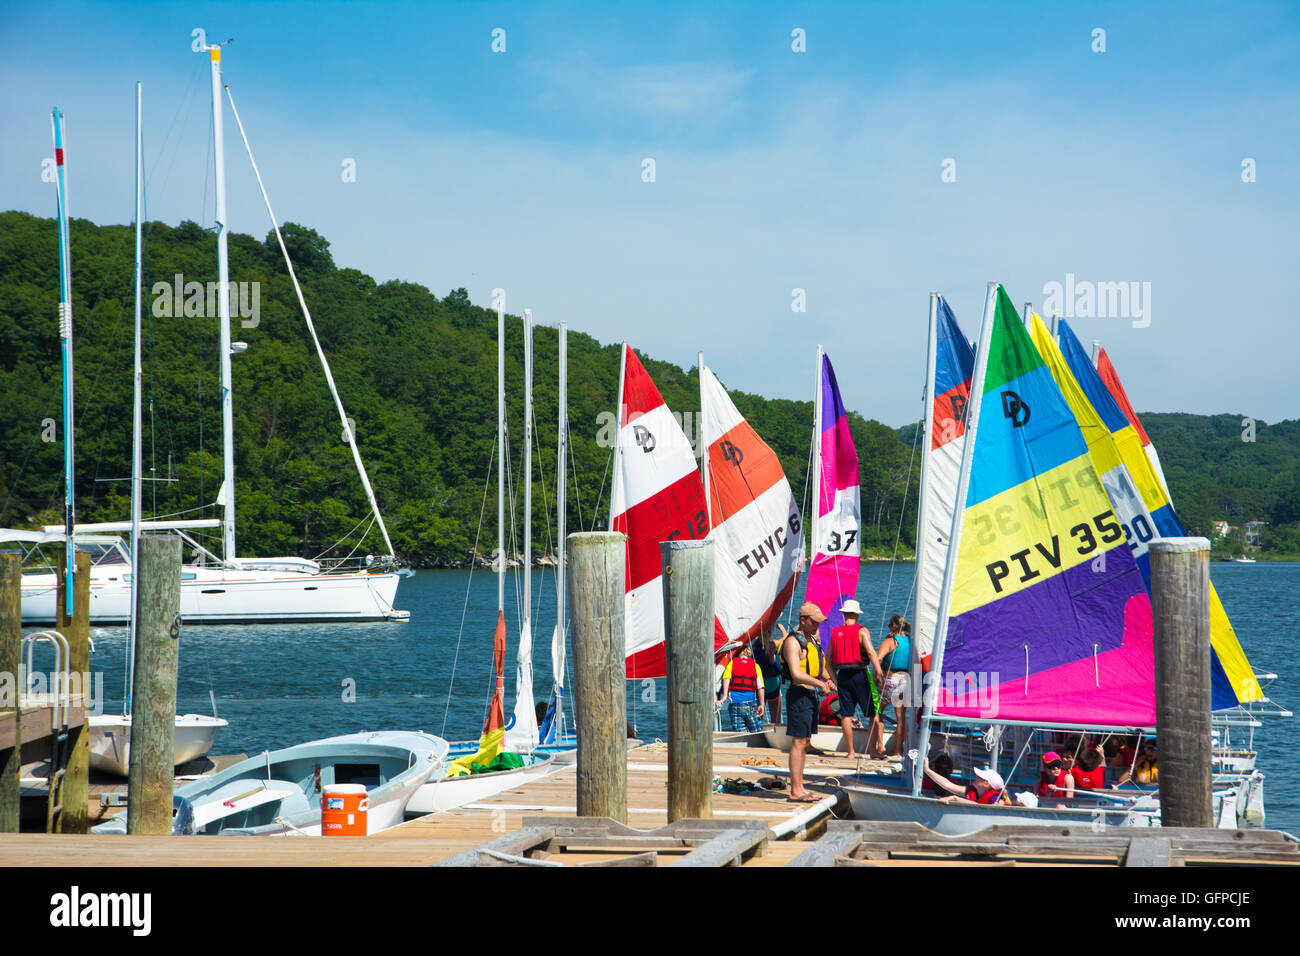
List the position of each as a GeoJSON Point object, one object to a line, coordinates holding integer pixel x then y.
{"type": "Point", "coordinates": [223, 316]}
{"type": "Point", "coordinates": [1096, 352]}
{"type": "Point", "coordinates": [922, 518]}
{"type": "Point", "coordinates": [528, 473]}
{"type": "Point", "coordinates": [557, 641]}
{"type": "Point", "coordinates": [618, 444]}
{"type": "Point", "coordinates": [65, 335]}
{"type": "Point", "coordinates": [954, 539]}
{"type": "Point", "coordinates": [817, 460]}
{"type": "Point", "coordinates": [137, 385]}
{"type": "Point", "coordinates": [501, 457]}
{"type": "Point", "coordinates": [704, 452]}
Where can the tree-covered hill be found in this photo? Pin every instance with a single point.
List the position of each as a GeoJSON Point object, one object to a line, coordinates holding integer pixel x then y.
{"type": "Point", "coordinates": [416, 373]}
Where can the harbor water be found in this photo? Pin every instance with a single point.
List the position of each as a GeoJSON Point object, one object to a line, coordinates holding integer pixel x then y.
{"type": "Point", "coordinates": [286, 684]}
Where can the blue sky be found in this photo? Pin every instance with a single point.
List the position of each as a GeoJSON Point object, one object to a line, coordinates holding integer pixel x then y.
{"type": "Point", "coordinates": [774, 170]}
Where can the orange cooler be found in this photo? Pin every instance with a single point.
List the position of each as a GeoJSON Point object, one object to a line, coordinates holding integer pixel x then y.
{"type": "Point", "coordinates": [343, 810]}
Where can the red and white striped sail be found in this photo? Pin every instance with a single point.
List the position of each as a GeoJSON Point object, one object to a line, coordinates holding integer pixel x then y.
{"type": "Point", "coordinates": [657, 496]}
{"type": "Point", "coordinates": [757, 530]}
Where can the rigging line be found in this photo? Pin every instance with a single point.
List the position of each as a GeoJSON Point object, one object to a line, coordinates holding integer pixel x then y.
{"type": "Point", "coordinates": [347, 557]}
{"type": "Point", "coordinates": [600, 494]}
{"type": "Point", "coordinates": [513, 545]}
{"type": "Point", "coordinates": [200, 70]}
{"type": "Point", "coordinates": [473, 555]}
{"type": "Point", "coordinates": [902, 510]}
{"type": "Point", "coordinates": [546, 504]}
{"type": "Point", "coordinates": [347, 535]}
{"type": "Point", "coordinates": [573, 463]}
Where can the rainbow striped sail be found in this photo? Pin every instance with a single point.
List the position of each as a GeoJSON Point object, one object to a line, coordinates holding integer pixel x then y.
{"type": "Point", "coordinates": [949, 368]}
{"type": "Point", "coordinates": [1045, 618]}
{"type": "Point", "coordinates": [491, 743]}
{"type": "Point", "coordinates": [757, 534]}
{"type": "Point", "coordinates": [1140, 497]}
{"type": "Point", "coordinates": [658, 496]}
{"type": "Point", "coordinates": [833, 576]}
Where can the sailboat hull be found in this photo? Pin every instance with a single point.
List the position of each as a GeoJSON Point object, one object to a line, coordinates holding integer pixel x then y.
{"type": "Point", "coordinates": [110, 741]}
{"type": "Point", "coordinates": [451, 792]}
{"type": "Point", "coordinates": [961, 819]}
{"type": "Point", "coordinates": [232, 596]}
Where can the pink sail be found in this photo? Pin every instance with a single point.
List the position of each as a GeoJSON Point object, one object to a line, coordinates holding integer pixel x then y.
{"type": "Point", "coordinates": [833, 576]}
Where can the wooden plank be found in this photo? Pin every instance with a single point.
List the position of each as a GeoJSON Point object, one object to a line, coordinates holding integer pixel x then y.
{"type": "Point", "coordinates": [649, 858]}
{"type": "Point", "coordinates": [512, 844]}
{"type": "Point", "coordinates": [824, 852]}
{"type": "Point", "coordinates": [493, 858]}
{"type": "Point", "coordinates": [727, 849]}
{"type": "Point", "coordinates": [1148, 851]}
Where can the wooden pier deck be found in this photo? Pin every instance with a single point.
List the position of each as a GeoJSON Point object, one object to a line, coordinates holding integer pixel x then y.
{"type": "Point", "coordinates": [437, 837]}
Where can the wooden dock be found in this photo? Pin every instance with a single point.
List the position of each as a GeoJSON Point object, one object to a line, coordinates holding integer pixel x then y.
{"type": "Point", "coordinates": [535, 825]}
{"type": "Point", "coordinates": [438, 837]}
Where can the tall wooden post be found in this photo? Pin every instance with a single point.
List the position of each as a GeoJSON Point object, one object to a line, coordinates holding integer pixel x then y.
{"type": "Point", "coordinates": [1180, 605]}
{"type": "Point", "coordinates": [11, 654]}
{"type": "Point", "coordinates": [688, 644]}
{"type": "Point", "coordinates": [75, 791]}
{"type": "Point", "coordinates": [153, 700]}
{"type": "Point", "coordinates": [596, 581]}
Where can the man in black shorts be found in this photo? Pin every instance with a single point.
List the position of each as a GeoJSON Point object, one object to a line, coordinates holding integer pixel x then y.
{"type": "Point", "coordinates": [851, 654]}
{"type": "Point", "coordinates": [806, 666]}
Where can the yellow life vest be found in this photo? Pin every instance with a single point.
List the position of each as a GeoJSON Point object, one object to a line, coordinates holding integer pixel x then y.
{"type": "Point", "coordinates": [814, 656]}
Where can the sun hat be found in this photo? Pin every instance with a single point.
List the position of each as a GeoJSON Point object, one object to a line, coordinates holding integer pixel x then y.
{"type": "Point", "coordinates": [852, 607]}
{"type": "Point", "coordinates": [1027, 799]}
{"type": "Point", "coordinates": [991, 777]}
{"type": "Point", "coordinates": [811, 610]}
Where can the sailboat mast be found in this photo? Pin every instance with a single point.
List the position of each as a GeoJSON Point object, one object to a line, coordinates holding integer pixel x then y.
{"type": "Point", "coordinates": [528, 471]}
{"type": "Point", "coordinates": [922, 516]}
{"type": "Point", "coordinates": [817, 459]}
{"type": "Point", "coordinates": [137, 385]}
{"type": "Point", "coordinates": [501, 457]}
{"type": "Point", "coordinates": [704, 452]}
{"type": "Point", "coordinates": [557, 643]}
{"type": "Point", "coordinates": [1096, 352]}
{"type": "Point", "coordinates": [65, 335]}
{"type": "Point", "coordinates": [932, 692]}
{"type": "Point", "coordinates": [223, 317]}
{"type": "Point", "coordinates": [618, 443]}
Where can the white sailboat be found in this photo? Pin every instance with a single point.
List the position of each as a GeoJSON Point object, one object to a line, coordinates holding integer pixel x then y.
{"type": "Point", "coordinates": [110, 735]}
{"type": "Point", "coordinates": [226, 588]}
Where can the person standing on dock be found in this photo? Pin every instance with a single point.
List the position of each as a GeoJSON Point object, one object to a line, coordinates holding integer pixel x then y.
{"type": "Point", "coordinates": [743, 692]}
{"type": "Point", "coordinates": [895, 658]}
{"type": "Point", "coordinates": [808, 678]}
{"type": "Point", "coordinates": [851, 654]}
{"type": "Point", "coordinates": [767, 657]}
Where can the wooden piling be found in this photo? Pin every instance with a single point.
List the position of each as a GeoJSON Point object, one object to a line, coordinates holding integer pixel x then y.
{"type": "Point", "coordinates": [11, 652]}
{"type": "Point", "coordinates": [1180, 605]}
{"type": "Point", "coordinates": [153, 701]}
{"type": "Point", "coordinates": [688, 645]}
{"type": "Point", "coordinates": [596, 583]}
{"type": "Point", "coordinates": [74, 794]}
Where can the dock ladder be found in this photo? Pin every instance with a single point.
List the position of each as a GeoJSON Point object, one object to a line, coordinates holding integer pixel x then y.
{"type": "Point", "coordinates": [61, 701]}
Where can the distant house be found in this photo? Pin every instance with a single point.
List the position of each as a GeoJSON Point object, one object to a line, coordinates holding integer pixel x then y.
{"type": "Point", "coordinates": [1253, 529]}
{"type": "Point", "coordinates": [1221, 528]}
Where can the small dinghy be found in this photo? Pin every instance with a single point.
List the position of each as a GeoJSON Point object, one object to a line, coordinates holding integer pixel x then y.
{"type": "Point", "coordinates": [279, 792]}
{"type": "Point", "coordinates": [110, 740]}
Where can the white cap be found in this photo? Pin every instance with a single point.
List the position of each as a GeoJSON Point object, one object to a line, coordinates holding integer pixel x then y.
{"type": "Point", "coordinates": [991, 777]}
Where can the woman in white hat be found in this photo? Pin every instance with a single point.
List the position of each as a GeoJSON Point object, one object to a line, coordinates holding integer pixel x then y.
{"type": "Point", "coordinates": [851, 655]}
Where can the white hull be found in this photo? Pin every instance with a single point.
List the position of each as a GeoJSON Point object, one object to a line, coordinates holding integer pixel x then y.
{"type": "Point", "coordinates": [110, 740]}
{"type": "Point", "coordinates": [232, 596]}
{"type": "Point", "coordinates": [451, 792]}
{"type": "Point", "coordinates": [962, 819]}
{"type": "Point", "coordinates": [826, 738]}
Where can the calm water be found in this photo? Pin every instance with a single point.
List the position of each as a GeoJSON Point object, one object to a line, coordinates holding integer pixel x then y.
{"type": "Point", "coordinates": [285, 685]}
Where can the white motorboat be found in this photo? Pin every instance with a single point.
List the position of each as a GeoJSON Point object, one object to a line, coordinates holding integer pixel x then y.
{"type": "Point", "coordinates": [279, 793]}
{"type": "Point", "coordinates": [110, 740]}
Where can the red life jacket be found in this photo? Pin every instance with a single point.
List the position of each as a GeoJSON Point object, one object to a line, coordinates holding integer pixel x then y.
{"type": "Point", "coordinates": [1094, 779]}
{"type": "Point", "coordinates": [1059, 783]}
{"type": "Point", "coordinates": [990, 795]}
{"type": "Point", "coordinates": [744, 676]}
{"type": "Point", "coordinates": [846, 645]}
